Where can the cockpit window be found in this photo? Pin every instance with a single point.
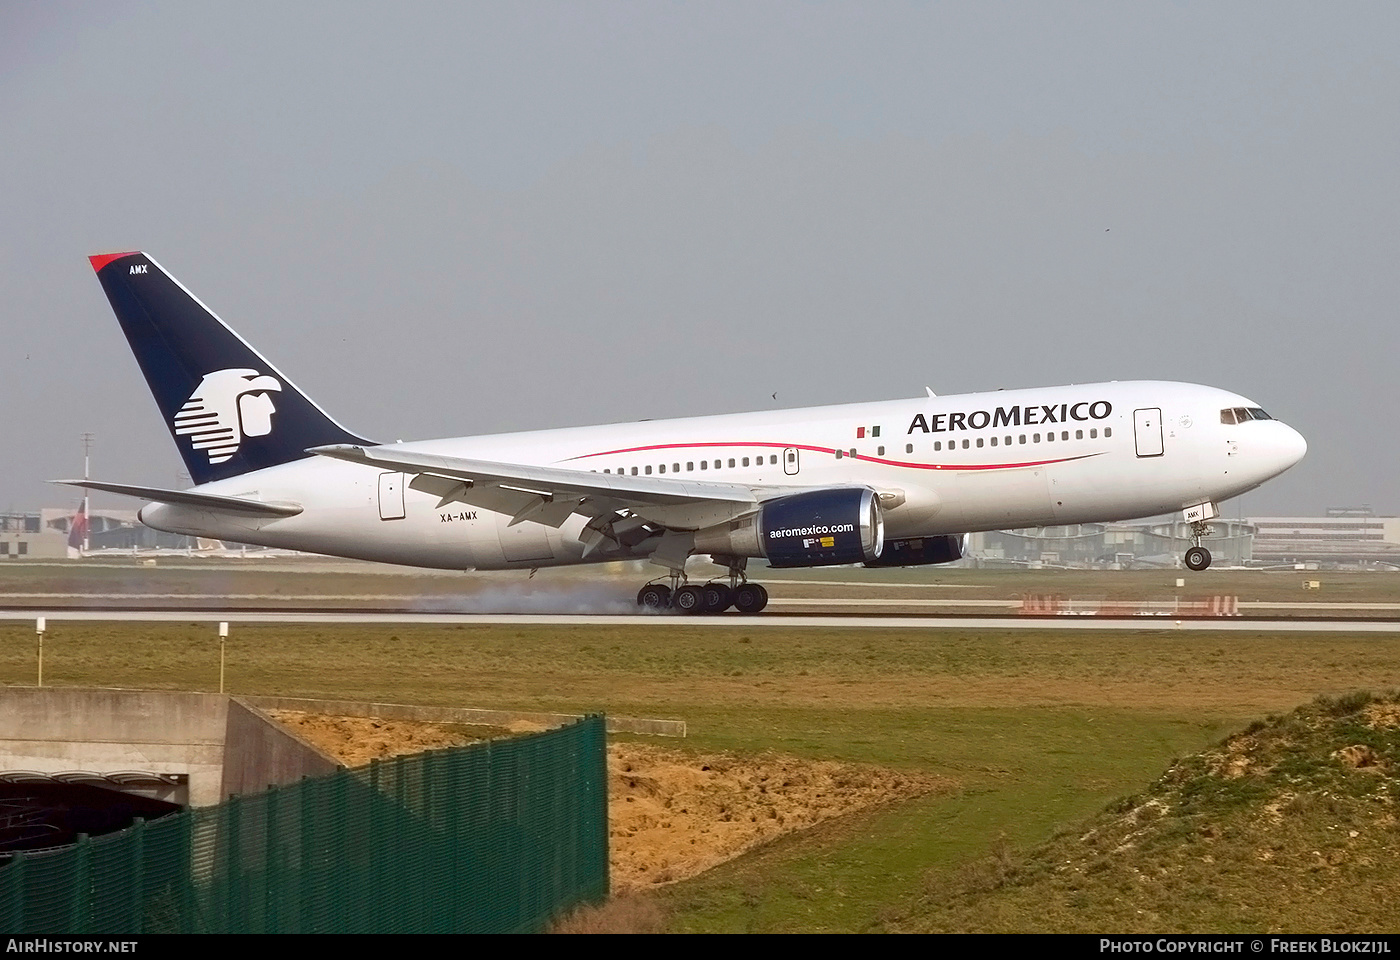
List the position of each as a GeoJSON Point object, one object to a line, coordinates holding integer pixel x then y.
{"type": "Point", "coordinates": [1241, 414]}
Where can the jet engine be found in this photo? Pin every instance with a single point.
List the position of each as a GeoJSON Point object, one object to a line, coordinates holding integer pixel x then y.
{"type": "Point", "coordinates": [814, 529]}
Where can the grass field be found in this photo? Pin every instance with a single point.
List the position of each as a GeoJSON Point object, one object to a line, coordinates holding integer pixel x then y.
{"type": "Point", "coordinates": [1040, 730]}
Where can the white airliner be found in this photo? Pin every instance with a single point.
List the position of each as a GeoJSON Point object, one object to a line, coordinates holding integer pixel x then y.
{"type": "Point", "coordinates": [889, 483]}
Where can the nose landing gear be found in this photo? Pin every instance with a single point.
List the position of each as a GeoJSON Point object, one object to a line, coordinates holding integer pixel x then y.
{"type": "Point", "coordinates": [1198, 557]}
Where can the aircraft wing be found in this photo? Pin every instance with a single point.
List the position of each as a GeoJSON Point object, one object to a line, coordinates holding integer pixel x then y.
{"type": "Point", "coordinates": [193, 498]}
{"type": "Point", "coordinates": [551, 494]}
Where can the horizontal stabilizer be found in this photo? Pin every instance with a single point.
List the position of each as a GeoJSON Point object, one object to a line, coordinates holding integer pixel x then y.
{"type": "Point", "coordinates": [193, 498]}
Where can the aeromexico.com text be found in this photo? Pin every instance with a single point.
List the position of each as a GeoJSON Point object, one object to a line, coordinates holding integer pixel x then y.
{"type": "Point", "coordinates": [1014, 416]}
{"type": "Point", "coordinates": [811, 531]}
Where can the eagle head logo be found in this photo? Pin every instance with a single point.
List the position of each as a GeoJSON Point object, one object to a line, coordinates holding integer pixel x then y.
{"type": "Point", "coordinates": [227, 406]}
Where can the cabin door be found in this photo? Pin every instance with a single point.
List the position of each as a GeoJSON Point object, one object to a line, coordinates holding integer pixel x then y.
{"type": "Point", "coordinates": [1147, 429]}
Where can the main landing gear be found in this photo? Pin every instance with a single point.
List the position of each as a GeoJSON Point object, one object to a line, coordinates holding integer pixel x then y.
{"type": "Point", "coordinates": [713, 597]}
{"type": "Point", "coordinates": [1198, 557]}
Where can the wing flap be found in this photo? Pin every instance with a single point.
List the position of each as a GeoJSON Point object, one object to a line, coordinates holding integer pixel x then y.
{"type": "Point", "coordinates": [550, 495]}
{"type": "Point", "coordinates": [553, 482]}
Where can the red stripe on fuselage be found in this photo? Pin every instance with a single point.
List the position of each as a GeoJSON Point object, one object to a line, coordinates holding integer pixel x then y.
{"type": "Point", "coordinates": [832, 451]}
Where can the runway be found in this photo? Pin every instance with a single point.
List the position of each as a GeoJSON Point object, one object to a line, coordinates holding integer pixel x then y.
{"type": "Point", "coordinates": [665, 620]}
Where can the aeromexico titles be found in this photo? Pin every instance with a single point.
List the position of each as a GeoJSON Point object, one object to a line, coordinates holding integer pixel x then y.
{"type": "Point", "coordinates": [890, 483]}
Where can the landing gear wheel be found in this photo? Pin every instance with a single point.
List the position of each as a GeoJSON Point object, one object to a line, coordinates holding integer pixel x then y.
{"type": "Point", "coordinates": [750, 597]}
{"type": "Point", "coordinates": [1198, 558]}
{"type": "Point", "coordinates": [689, 600]}
{"type": "Point", "coordinates": [718, 597]}
{"type": "Point", "coordinates": [654, 596]}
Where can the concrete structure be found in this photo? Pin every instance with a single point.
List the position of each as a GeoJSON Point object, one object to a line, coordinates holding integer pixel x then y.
{"type": "Point", "coordinates": [223, 745]}
{"type": "Point", "coordinates": [23, 537]}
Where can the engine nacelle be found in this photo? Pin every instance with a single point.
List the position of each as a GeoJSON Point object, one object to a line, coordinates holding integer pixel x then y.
{"type": "Point", "coordinates": [917, 551]}
{"type": "Point", "coordinates": [814, 529]}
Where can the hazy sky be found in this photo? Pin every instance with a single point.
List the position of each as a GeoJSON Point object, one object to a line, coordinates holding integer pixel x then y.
{"type": "Point", "coordinates": [448, 219]}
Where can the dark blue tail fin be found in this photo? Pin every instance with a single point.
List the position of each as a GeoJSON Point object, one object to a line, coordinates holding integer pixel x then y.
{"type": "Point", "coordinates": [229, 410]}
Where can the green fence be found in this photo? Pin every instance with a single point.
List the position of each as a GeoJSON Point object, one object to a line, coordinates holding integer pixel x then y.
{"type": "Point", "coordinates": [493, 837]}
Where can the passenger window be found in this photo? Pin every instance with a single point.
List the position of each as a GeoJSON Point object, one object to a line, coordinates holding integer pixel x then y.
{"type": "Point", "coordinates": [704, 464]}
{"type": "Point", "coordinates": [1064, 435]}
{"type": "Point", "coordinates": [1023, 438]}
{"type": "Point", "coordinates": [607, 471]}
{"type": "Point", "coordinates": [690, 465]}
{"type": "Point", "coordinates": [1108, 431]}
{"type": "Point", "coordinates": [1049, 437]}
{"type": "Point", "coordinates": [675, 468]}
{"type": "Point", "coordinates": [634, 471]}
{"type": "Point", "coordinates": [1079, 434]}
{"type": "Point", "coordinates": [1008, 441]}
{"type": "Point", "coordinates": [731, 461]}
{"type": "Point", "coordinates": [965, 444]}
{"type": "Point", "coordinates": [1094, 433]}
{"type": "Point", "coordinates": [994, 442]}
{"type": "Point", "coordinates": [648, 470]}
{"type": "Point", "coordinates": [839, 454]}
{"type": "Point", "coordinates": [879, 451]}
{"type": "Point", "coordinates": [908, 448]}
{"type": "Point", "coordinates": [773, 460]}
{"type": "Point", "coordinates": [979, 443]}
{"type": "Point", "coordinates": [937, 445]}
{"type": "Point", "coordinates": [1037, 438]}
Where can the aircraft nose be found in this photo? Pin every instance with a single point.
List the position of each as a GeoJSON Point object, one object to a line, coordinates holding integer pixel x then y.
{"type": "Point", "coordinates": [1288, 447]}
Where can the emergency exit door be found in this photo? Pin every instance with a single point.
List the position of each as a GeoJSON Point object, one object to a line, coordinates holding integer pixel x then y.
{"type": "Point", "coordinates": [790, 462]}
{"type": "Point", "coordinates": [1147, 430]}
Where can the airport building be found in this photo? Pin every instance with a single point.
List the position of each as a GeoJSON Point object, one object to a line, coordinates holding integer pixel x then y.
{"type": "Point", "coordinates": [43, 535]}
{"type": "Point", "coordinates": [1353, 537]}
{"type": "Point", "coordinates": [1111, 546]}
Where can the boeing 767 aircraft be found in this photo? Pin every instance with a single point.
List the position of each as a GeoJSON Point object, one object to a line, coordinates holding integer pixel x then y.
{"type": "Point", "coordinates": [888, 483]}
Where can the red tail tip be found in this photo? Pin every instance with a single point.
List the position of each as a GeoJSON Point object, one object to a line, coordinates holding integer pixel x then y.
{"type": "Point", "coordinates": [102, 259]}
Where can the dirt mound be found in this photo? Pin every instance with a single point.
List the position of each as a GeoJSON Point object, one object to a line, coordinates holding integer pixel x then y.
{"type": "Point", "coordinates": [355, 741]}
{"type": "Point", "coordinates": [671, 814]}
